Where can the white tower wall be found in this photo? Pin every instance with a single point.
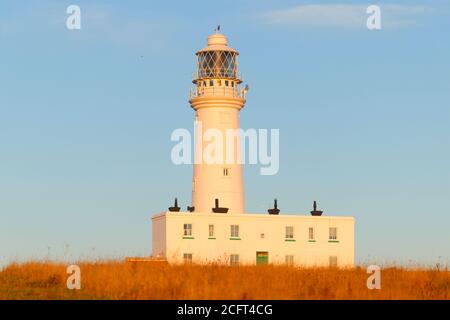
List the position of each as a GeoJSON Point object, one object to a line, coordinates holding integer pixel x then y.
{"type": "Point", "coordinates": [217, 101]}
{"type": "Point", "coordinates": [218, 181]}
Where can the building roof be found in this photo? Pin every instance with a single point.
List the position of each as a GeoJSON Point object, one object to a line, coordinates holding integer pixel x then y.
{"type": "Point", "coordinates": [251, 215]}
{"type": "Point", "coordinates": [217, 42]}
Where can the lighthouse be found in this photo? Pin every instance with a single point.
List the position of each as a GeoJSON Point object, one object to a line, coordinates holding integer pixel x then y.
{"type": "Point", "coordinates": [217, 100]}
{"type": "Point", "coordinates": [216, 228]}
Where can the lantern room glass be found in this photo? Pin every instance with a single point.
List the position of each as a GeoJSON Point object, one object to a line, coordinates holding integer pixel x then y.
{"type": "Point", "coordinates": [217, 64]}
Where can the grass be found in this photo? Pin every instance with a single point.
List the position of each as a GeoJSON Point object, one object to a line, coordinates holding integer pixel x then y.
{"type": "Point", "coordinates": [150, 280]}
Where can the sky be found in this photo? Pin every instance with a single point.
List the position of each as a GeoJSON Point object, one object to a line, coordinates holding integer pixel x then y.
{"type": "Point", "coordinates": [86, 117]}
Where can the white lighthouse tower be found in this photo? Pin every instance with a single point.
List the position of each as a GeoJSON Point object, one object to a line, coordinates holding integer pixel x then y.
{"type": "Point", "coordinates": [217, 99]}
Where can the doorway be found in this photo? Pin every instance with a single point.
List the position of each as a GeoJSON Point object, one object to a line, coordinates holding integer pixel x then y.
{"type": "Point", "coordinates": [262, 257]}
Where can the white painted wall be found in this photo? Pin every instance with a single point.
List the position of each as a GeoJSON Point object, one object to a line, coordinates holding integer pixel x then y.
{"type": "Point", "coordinates": [251, 227]}
{"type": "Point", "coordinates": [159, 240]}
{"type": "Point", "coordinates": [209, 181]}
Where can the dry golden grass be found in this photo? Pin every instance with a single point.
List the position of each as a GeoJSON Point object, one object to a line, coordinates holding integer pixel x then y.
{"type": "Point", "coordinates": [120, 280]}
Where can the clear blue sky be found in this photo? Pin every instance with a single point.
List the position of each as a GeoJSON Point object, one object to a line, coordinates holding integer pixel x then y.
{"type": "Point", "coordinates": [86, 118]}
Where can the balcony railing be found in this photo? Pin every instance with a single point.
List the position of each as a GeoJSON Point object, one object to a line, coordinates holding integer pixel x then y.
{"type": "Point", "coordinates": [217, 92]}
{"type": "Point", "coordinates": [200, 75]}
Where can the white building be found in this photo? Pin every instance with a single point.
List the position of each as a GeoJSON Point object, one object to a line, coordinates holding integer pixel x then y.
{"type": "Point", "coordinates": [216, 228]}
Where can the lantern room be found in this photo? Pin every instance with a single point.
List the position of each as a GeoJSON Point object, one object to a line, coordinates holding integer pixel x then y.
{"type": "Point", "coordinates": [217, 69]}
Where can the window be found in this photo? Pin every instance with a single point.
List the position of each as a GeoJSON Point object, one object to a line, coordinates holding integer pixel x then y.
{"type": "Point", "coordinates": [219, 83]}
{"type": "Point", "coordinates": [187, 229]}
{"type": "Point", "coordinates": [187, 258]}
{"type": "Point", "coordinates": [289, 232]}
{"type": "Point", "coordinates": [332, 234]}
{"type": "Point", "coordinates": [234, 260]}
{"type": "Point", "coordinates": [333, 262]}
{"type": "Point", "coordinates": [226, 83]}
{"type": "Point", "coordinates": [226, 172]}
{"type": "Point", "coordinates": [211, 230]}
{"type": "Point", "coordinates": [311, 234]}
{"type": "Point", "coordinates": [289, 260]}
{"type": "Point", "coordinates": [211, 83]}
{"type": "Point", "coordinates": [234, 231]}
{"type": "Point", "coordinates": [232, 84]}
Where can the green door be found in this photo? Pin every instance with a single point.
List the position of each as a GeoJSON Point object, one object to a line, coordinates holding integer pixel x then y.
{"type": "Point", "coordinates": [262, 257]}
